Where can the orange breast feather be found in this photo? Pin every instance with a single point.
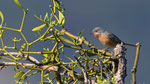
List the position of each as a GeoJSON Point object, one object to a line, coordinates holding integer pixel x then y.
{"type": "Point", "coordinates": [106, 41]}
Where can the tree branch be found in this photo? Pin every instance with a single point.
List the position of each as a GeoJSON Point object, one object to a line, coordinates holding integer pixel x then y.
{"type": "Point", "coordinates": [22, 55]}
{"type": "Point", "coordinates": [119, 52]}
{"type": "Point", "coordinates": [134, 69]}
{"type": "Point", "coordinates": [84, 72]}
{"type": "Point", "coordinates": [28, 65]}
{"type": "Point", "coordinates": [87, 43]}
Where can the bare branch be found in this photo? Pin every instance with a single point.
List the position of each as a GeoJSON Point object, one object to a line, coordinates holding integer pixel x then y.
{"type": "Point", "coordinates": [87, 43]}
{"type": "Point", "coordinates": [108, 75]}
{"type": "Point", "coordinates": [28, 65]}
{"type": "Point", "coordinates": [134, 69]}
{"type": "Point", "coordinates": [22, 55]}
{"type": "Point", "coordinates": [84, 71]}
{"type": "Point", "coordinates": [119, 52]}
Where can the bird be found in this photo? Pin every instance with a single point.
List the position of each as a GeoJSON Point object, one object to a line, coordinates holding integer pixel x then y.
{"type": "Point", "coordinates": [107, 38]}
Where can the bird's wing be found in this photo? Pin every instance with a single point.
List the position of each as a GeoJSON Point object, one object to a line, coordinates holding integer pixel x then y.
{"type": "Point", "coordinates": [113, 37]}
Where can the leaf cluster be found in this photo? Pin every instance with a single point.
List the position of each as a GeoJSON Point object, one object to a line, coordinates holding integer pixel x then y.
{"type": "Point", "coordinates": [52, 29]}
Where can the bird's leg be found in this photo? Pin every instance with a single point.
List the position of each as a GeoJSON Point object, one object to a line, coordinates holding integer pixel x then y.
{"type": "Point", "coordinates": [105, 50]}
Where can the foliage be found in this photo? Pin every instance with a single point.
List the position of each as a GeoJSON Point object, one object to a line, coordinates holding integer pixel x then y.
{"type": "Point", "coordinates": [96, 64]}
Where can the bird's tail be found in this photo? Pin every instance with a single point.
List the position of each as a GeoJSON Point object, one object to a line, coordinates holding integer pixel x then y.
{"type": "Point", "coordinates": [129, 44]}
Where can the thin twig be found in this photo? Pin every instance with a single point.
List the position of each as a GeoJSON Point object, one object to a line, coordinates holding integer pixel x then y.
{"type": "Point", "coordinates": [134, 69]}
{"type": "Point", "coordinates": [22, 55]}
{"type": "Point", "coordinates": [101, 66]}
{"type": "Point", "coordinates": [83, 70]}
{"type": "Point", "coordinates": [29, 65]}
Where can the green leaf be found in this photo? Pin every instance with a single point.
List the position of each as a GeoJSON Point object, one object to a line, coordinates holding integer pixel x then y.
{"type": "Point", "coordinates": [90, 54]}
{"type": "Point", "coordinates": [61, 17]}
{"type": "Point", "coordinates": [1, 32]}
{"type": "Point", "coordinates": [46, 17]}
{"type": "Point", "coordinates": [53, 22]}
{"type": "Point", "coordinates": [39, 18]}
{"type": "Point", "coordinates": [16, 40]}
{"type": "Point", "coordinates": [27, 82]}
{"type": "Point", "coordinates": [66, 40]}
{"type": "Point", "coordinates": [15, 70]}
{"type": "Point", "coordinates": [47, 57]}
{"type": "Point", "coordinates": [17, 2]}
{"type": "Point", "coordinates": [77, 51]}
{"type": "Point", "coordinates": [23, 77]}
{"type": "Point", "coordinates": [19, 74]}
{"type": "Point", "coordinates": [98, 80]}
{"type": "Point", "coordinates": [2, 18]}
{"type": "Point", "coordinates": [39, 27]}
{"type": "Point", "coordinates": [57, 3]}
{"type": "Point", "coordinates": [81, 33]}
{"type": "Point", "coordinates": [23, 46]}
{"type": "Point", "coordinates": [18, 82]}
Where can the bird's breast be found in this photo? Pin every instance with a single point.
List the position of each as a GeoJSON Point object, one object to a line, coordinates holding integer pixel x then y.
{"type": "Point", "coordinates": [105, 40]}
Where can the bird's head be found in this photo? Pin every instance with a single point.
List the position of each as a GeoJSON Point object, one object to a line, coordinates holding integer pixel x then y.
{"type": "Point", "coordinates": [97, 30]}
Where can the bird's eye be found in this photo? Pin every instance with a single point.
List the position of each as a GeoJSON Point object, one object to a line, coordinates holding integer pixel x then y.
{"type": "Point", "coordinates": [96, 30]}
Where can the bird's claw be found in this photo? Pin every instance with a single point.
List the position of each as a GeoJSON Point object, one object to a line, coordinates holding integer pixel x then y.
{"type": "Point", "coordinates": [105, 50]}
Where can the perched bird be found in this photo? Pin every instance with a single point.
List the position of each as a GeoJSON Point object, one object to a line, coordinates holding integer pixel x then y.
{"type": "Point", "coordinates": [108, 39]}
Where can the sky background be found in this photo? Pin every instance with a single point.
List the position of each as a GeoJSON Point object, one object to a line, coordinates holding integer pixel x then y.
{"type": "Point", "coordinates": [128, 19]}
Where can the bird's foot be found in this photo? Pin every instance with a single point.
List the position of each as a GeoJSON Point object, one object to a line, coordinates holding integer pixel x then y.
{"type": "Point", "coordinates": [105, 50]}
